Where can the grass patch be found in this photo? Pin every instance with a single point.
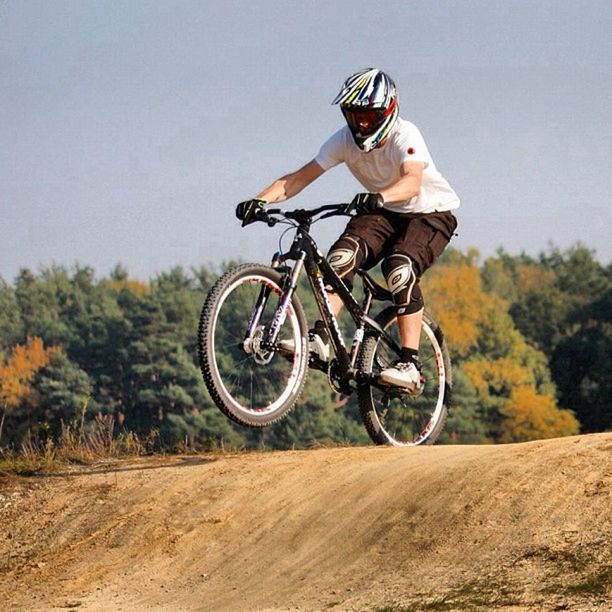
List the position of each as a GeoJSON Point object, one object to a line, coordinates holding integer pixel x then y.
{"type": "Point", "coordinates": [76, 447]}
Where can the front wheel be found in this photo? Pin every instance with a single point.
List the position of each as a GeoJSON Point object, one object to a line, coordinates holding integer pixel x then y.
{"type": "Point", "coordinates": [391, 415]}
{"type": "Point", "coordinates": [251, 381]}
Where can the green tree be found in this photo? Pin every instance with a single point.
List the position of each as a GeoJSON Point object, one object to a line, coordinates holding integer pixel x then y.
{"type": "Point", "coordinates": [465, 422]}
{"type": "Point", "coordinates": [581, 365]}
{"type": "Point", "coordinates": [11, 327]}
{"type": "Point", "coordinates": [180, 299]}
{"type": "Point", "coordinates": [38, 302]}
{"type": "Point", "coordinates": [63, 392]}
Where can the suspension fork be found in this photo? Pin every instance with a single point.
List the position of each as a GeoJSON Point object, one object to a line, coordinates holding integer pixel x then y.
{"type": "Point", "coordinates": [260, 304]}
{"type": "Point", "coordinates": [280, 315]}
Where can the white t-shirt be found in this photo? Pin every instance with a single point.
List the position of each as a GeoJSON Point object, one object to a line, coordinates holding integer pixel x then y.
{"type": "Point", "coordinates": [381, 167]}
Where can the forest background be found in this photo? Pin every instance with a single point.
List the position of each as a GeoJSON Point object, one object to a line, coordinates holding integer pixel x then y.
{"type": "Point", "coordinates": [529, 337]}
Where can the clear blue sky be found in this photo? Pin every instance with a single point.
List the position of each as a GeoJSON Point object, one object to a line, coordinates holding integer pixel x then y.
{"type": "Point", "coordinates": [130, 129]}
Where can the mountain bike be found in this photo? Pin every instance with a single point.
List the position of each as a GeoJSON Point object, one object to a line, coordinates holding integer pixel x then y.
{"type": "Point", "coordinates": [253, 313]}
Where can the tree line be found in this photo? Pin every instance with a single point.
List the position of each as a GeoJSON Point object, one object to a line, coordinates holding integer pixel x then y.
{"type": "Point", "coordinates": [530, 341]}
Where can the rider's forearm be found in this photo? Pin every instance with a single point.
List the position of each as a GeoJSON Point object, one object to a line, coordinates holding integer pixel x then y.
{"type": "Point", "coordinates": [291, 184]}
{"type": "Point", "coordinates": [402, 191]}
{"type": "Point", "coordinates": [407, 186]}
{"type": "Point", "coordinates": [280, 190]}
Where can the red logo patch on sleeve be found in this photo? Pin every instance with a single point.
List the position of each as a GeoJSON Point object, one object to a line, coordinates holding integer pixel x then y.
{"type": "Point", "coordinates": [410, 151]}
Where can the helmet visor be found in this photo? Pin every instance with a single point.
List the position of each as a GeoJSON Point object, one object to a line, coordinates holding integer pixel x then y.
{"type": "Point", "coordinates": [364, 122]}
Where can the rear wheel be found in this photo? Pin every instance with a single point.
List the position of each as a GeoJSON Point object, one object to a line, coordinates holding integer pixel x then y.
{"type": "Point", "coordinates": [251, 382]}
{"type": "Point", "coordinates": [391, 415]}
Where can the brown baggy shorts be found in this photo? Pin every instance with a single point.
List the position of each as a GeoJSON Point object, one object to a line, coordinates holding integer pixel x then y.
{"type": "Point", "coordinates": [422, 237]}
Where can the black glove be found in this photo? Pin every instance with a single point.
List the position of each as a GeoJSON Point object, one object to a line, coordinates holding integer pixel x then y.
{"type": "Point", "coordinates": [366, 202]}
{"type": "Point", "coordinates": [247, 211]}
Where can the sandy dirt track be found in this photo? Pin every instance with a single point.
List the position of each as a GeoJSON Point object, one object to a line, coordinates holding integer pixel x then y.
{"type": "Point", "coordinates": [516, 527]}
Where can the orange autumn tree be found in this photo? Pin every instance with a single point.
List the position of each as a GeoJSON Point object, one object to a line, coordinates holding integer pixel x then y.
{"type": "Point", "coordinates": [510, 378]}
{"type": "Point", "coordinates": [17, 372]}
{"type": "Point", "coordinates": [530, 415]}
{"type": "Point", "coordinates": [455, 298]}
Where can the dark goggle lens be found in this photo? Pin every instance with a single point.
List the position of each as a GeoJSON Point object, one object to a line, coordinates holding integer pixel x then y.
{"type": "Point", "coordinates": [364, 122]}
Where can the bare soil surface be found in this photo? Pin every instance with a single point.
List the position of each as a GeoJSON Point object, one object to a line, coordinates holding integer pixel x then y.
{"type": "Point", "coordinates": [516, 527]}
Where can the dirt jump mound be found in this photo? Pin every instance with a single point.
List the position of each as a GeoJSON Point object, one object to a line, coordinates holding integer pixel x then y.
{"type": "Point", "coordinates": [524, 526]}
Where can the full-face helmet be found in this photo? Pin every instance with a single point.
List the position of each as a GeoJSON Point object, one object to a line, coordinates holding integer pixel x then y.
{"type": "Point", "coordinates": [368, 100]}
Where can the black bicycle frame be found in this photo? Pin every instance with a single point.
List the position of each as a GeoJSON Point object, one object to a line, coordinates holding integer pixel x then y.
{"type": "Point", "coordinates": [320, 273]}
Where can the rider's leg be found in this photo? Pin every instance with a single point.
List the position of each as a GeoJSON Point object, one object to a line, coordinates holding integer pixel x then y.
{"type": "Point", "coordinates": [359, 246]}
{"type": "Point", "coordinates": [401, 274]}
{"type": "Point", "coordinates": [346, 255]}
{"type": "Point", "coordinates": [410, 329]}
{"type": "Point", "coordinates": [402, 280]}
{"type": "Point", "coordinates": [336, 303]}
{"type": "Point", "coordinates": [414, 250]}
{"type": "Point", "coordinates": [320, 330]}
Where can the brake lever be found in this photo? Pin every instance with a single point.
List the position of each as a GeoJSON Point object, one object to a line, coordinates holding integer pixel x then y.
{"type": "Point", "coordinates": [264, 217]}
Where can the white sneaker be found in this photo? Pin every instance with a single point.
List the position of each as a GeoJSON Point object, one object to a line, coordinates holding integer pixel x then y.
{"type": "Point", "coordinates": [405, 375]}
{"type": "Point", "coordinates": [316, 346]}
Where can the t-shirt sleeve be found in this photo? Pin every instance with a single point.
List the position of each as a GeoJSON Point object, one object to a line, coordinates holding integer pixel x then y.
{"type": "Point", "coordinates": [412, 146]}
{"type": "Point", "coordinates": [331, 152]}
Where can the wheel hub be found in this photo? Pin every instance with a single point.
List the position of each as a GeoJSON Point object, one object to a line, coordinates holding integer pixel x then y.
{"type": "Point", "coordinates": [254, 346]}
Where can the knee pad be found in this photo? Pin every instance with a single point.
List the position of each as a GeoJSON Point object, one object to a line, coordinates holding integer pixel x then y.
{"type": "Point", "coordinates": [346, 255]}
{"type": "Point", "coordinates": [403, 283]}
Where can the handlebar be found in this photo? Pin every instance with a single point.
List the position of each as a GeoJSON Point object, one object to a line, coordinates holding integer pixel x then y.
{"type": "Point", "coordinates": [302, 215]}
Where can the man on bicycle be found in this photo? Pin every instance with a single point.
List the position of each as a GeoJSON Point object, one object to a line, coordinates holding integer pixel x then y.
{"type": "Point", "coordinates": [404, 218]}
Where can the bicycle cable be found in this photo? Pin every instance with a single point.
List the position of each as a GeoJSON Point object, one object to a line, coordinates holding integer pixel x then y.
{"type": "Point", "coordinates": [280, 239]}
